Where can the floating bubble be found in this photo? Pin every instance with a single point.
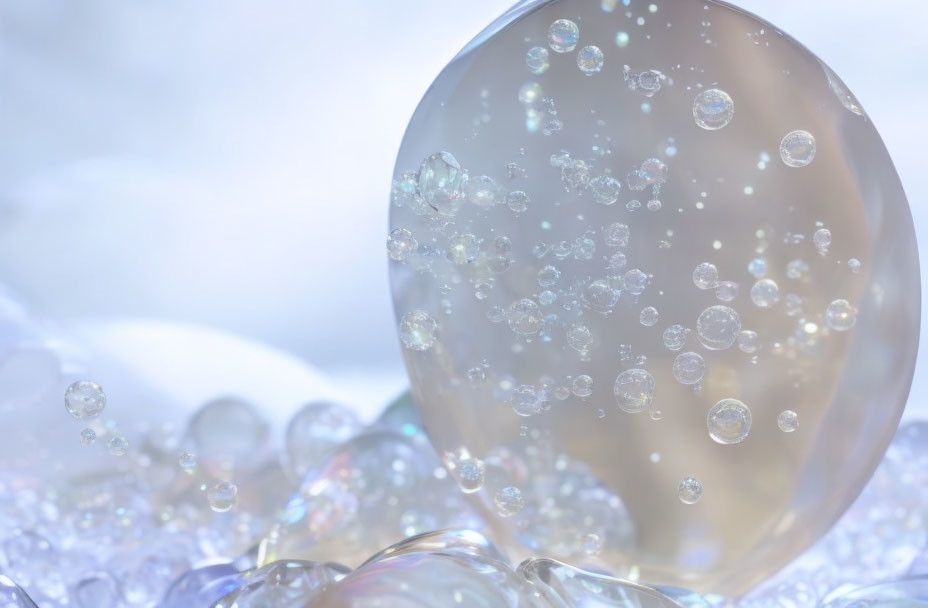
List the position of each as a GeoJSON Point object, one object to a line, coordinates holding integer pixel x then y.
{"type": "Point", "coordinates": [509, 501]}
{"type": "Point", "coordinates": [187, 462]}
{"type": "Point", "coordinates": [314, 431]}
{"type": "Point", "coordinates": [84, 400]}
{"type": "Point", "coordinates": [470, 473]}
{"type": "Point", "coordinates": [548, 276]}
{"type": "Point", "coordinates": [765, 293]}
{"type": "Point", "coordinates": [636, 281]}
{"type": "Point", "coordinates": [648, 316]}
{"type": "Point", "coordinates": [717, 327]}
{"type": "Point", "coordinates": [563, 36]}
{"type": "Point", "coordinates": [117, 446]}
{"type": "Point", "coordinates": [796, 269]}
{"type": "Point", "coordinates": [582, 386]}
{"type": "Point", "coordinates": [526, 400]}
{"type": "Point", "coordinates": [674, 337]}
{"type": "Point", "coordinates": [713, 109]}
{"type": "Point", "coordinates": [576, 176]}
{"type": "Point", "coordinates": [798, 149]}
{"type": "Point", "coordinates": [88, 437]}
{"type": "Point", "coordinates": [748, 341]}
{"type": "Point", "coordinates": [463, 249]}
{"type": "Point", "coordinates": [788, 421]}
{"type": "Point", "coordinates": [418, 330]}
{"type": "Point", "coordinates": [727, 291]}
{"type": "Point", "coordinates": [729, 422]}
{"type": "Point", "coordinates": [706, 276]}
{"type": "Point", "coordinates": [440, 182]}
{"type": "Point", "coordinates": [483, 191]}
{"type": "Point", "coordinates": [616, 235]}
{"type": "Point", "coordinates": [599, 296]}
{"type": "Point", "coordinates": [517, 201]}
{"type": "Point", "coordinates": [689, 490]}
{"type": "Point", "coordinates": [590, 60]}
{"type": "Point", "coordinates": [647, 82]}
{"type": "Point", "coordinates": [634, 390]}
{"type": "Point", "coordinates": [757, 267]}
{"type": "Point", "coordinates": [822, 240]}
{"type": "Point", "coordinates": [222, 496]}
{"type": "Point", "coordinates": [617, 261]}
{"type": "Point", "coordinates": [401, 244]}
{"type": "Point", "coordinates": [689, 368]}
{"type": "Point", "coordinates": [840, 315]}
{"type": "Point", "coordinates": [537, 60]}
{"type": "Point", "coordinates": [854, 265]}
{"type": "Point", "coordinates": [525, 317]}
{"type": "Point", "coordinates": [579, 337]}
{"type": "Point", "coordinates": [605, 190]}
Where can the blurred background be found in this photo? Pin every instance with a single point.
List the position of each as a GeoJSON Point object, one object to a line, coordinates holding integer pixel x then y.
{"type": "Point", "coordinates": [228, 164]}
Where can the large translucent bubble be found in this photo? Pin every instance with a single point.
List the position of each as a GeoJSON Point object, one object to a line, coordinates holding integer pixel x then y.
{"type": "Point", "coordinates": [703, 167]}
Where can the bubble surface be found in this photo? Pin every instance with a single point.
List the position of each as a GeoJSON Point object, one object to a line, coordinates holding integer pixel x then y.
{"type": "Point", "coordinates": [729, 422]}
{"type": "Point", "coordinates": [713, 109]}
{"type": "Point", "coordinates": [634, 390]}
{"type": "Point", "coordinates": [798, 149]}
{"type": "Point", "coordinates": [84, 400]}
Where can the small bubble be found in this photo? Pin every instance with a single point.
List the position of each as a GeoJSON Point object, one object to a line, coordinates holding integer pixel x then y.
{"type": "Point", "coordinates": [689, 368]}
{"type": "Point", "coordinates": [537, 60]}
{"type": "Point", "coordinates": [600, 296]}
{"type": "Point", "coordinates": [440, 182]}
{"type": "Point", "coordinates": [717, 327]}
{"type": "Point", "coordinates": [788, 421]}
{"type": "Point", "coordinates": [496, 314]}
{"type": "Point", "coordinates": [576, 176]}
{"type": "Point", "coordinates": [727, 291]}
{"type": "Point", "coordinates": [591, 544]}
{"type": "Point", "coordinates": [118, 446]}
{"type": "Point", "coordinates": [674, 337]}
{"type": "Point", "coordinates": [713, 109]}
{"type": "Point", "coordinates": [840, 315]}
{"type": "Point", "coordinates": [470, 474]}
{"type": "Point", "coordinates": [748, 341]}
{"type": "Point", "coordinates": [605, 190]}
{"type": "Point", "coordinates": [822, 240]}
{"type": "Point", "coordinates": [547, 297]}
{"type": "Point", "coordinates": [84, 400]}
{"type": "Point", "coordinates": [483, 191]}
{"type": "Point", "coordinates": [636, 281]}
{"type": "Point", "coordinates": [617, 261]}
{"type": "Point", "coordinates": [757, 267]}
{"type": "Point", "coordinates": [563, 36]}
{"type": "Point", "coordinates": [616, 235]}
{"type": "Point", "coordinates": [655, 414]}
{"type": "Point", "coordinates": [418, 331]}
{"type": "Point", "coordinates": [548, 276]}
{"type": "Point", "coordinates": [590, 60]}
{"type": "Point", "coordinates": [649, 316]}
{"type": "Point", "coordinates": [88, 437]}
{"type": "Point", "coordinates": [706, 276]}
{"type": "Point", "coordinates": [654, 205]}
{"type": "Point", "coordinates": [729, 422]}
{"type": "Point", "coordinates": [622, 39]}
{"type": "Point", "coordinates": [517, 201]}
{"type": "Point", "coordinates": [463, 249]}
{"type": "Point", "coordinates": [509, 501]}
{"type": "Point", "coordinates": [634, 390]}
{"type": "Point", "coordinates": [798, 149]}
{"type": "Point", "coordinates": [689, 490]}
{"type": "Point", "coordinates": [582, 386]}
{"type": "Point", "coordinates": [765, 293]}
{"type": "Point", "coordinates": [526, 400]}
{"type": "Point", "coordinates": [854, 265]}
{"type": "Point", "coordinates": [401, 244]}
{"type": "Point", "coordinates": [525, 317]}
{"type": "Point", "coordinates": [222, 496]}
{"type": "Point", "coordinates": [187, 462]}
{"type": "Point", "coordinates": [579, 337]}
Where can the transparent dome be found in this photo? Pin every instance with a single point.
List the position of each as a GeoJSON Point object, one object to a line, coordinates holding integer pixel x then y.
{"type": "Point", "coordinates": [657, 283]}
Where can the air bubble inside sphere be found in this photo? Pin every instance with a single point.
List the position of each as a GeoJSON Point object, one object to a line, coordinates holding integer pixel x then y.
{"type": "Point", "coordinates": [684, 124]}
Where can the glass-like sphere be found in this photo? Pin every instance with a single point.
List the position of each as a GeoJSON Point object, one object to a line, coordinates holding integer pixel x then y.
{"type": "Point", "coordinates": [687, 145]}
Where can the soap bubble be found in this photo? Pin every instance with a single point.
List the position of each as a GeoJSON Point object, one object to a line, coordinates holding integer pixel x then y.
{"type": "Point", "coordinates": [649, 316]}
{"type": "Point", "coordinates": [222, 496]}
{"type": "Point", "coordinates": [470, 474]}
{"type": "Point", "coordinates": [706, 276]}
{"type": "Point", "coordinates": [689, 490]}
{"type": "Point", "coordinates": [517, 201]}
{"type": "Point", "coordinates": [418, 330]}
{"type": "Point", "coordinates": [729, 422]}
{"type": "Point", "coordinates": [563, 36]}
{"type": "Point", "coordinates": [713, 109]}
{"type": "Point", "coordinates": [88, 437]}
{"type": "Point", "coordinates": [84, 400]}
{"type": "Point", "coordinates": [765, 293]}
{"type": "Point", "coordinates": [582, 386]}
{"type": "Point", "coordinates": [483, 191]}
{"type": "Point", "coordinates": [798, 149]}
{"type": "Point", "coordinates": [440, 182]}
{"type": "Point", "coordinates": [463, 249]}
{"type": "Point", "coordinates": [524, 317]}
{"type": "Point", "coordinates": [537, 60]}
{"type": "Point", "coordinates": [579, 337]}
{"type": "Point", "coordinates": [526, 400]}
{"type": "Point", "coordinates": [509, 501]}
{"type": "Point", "coordinates": [685, 125]}
{"type": "Point", "coordinates": [717, 327]}
{"type": "Point", "coordinates": [689, 368]}
{"type": "Point", "coordinates": [840, 315]}
{"type": "Point", "coordinates": [590, 60]}
{"type": "Point", "coordinates": [634, 390]}
{"type": "Point", "coordinates": [118, 446]}
{"type": "Point", "coordinates": [401, 244]}
{"type": "Point", "coordinates": [187, 462]}
{"type": "Point", "coordinates": [822, 240]}
{"type": "Point", "coordinates": [788, 421]}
